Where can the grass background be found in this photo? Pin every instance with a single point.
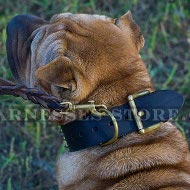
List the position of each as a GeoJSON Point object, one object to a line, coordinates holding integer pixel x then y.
{"type": "Point", "coordinates": [28, 149]}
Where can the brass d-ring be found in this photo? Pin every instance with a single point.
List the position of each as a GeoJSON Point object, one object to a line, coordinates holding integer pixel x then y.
{"type": "Point", "coordinates": [115, 124]}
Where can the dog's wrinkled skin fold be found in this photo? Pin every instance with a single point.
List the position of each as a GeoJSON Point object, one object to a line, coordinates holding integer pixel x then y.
{"type": "Point", "coordinates": [80, 57]}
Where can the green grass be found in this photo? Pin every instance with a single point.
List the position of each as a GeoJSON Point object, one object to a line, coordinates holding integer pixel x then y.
{"type": "Point", "coordinates": [28, 149]}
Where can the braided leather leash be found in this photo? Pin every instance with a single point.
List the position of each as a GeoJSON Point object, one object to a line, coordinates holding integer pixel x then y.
{"type": "Point", "coordinates": [33, 94]}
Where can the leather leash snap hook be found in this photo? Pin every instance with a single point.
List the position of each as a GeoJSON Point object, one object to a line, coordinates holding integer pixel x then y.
{"type": "Point", "coordinates": [92, 107]}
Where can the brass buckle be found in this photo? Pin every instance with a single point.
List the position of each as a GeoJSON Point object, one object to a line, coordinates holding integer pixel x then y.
{"type": "Point", "coordinates": [97, 110]}
{"type": "Point", "coordinates": [138, 114]}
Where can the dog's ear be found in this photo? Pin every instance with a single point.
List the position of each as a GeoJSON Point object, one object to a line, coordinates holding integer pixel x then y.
{"type": "Point", "coordinates": [58, 72]}
{"type": "Point", "coordinates": [126, 23]}
{"type": "Point", "coordinates": [19, 38]}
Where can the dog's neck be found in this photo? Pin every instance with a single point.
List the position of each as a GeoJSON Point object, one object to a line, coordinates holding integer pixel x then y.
{"type": "Point", "coordinates": [116, 92]}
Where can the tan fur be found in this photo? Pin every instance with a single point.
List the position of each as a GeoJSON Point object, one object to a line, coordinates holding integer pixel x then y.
{"type": "Point", "coordinates": [158, 159]}
{"type": "Point", "coordinates": [85, 57]}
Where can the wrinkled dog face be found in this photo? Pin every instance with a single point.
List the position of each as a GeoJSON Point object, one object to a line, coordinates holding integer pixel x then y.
{"type": "Point", "coordinates": [73, 54]}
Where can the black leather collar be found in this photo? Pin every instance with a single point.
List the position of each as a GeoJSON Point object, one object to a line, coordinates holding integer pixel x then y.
{"type": "Point", "coordinates": [159, 106]}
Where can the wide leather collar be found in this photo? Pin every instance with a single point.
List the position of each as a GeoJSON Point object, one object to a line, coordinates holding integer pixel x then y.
{"type": "Point", "coordinates": [159, 106]}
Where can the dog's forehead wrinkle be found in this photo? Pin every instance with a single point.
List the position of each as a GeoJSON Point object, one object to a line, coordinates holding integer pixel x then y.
{"type": "Point", "coordinates": [45, 48]}
{"type": "Point", "coordinates": [39, 34]}
{"type": "Point", "coordinates": [54, 50]}
{"type": "Point", "coordinates": [53, 42]}
{"type": "Point", "coordinates": [83, 17]}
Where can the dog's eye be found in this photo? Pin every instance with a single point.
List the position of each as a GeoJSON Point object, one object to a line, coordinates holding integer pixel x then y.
{"type": "Point", "coordinates": [62, 89]}
{"type": "Point", "coordinates": [67, 55]}
{"type": "Point", "coordinates": [59, 91]}
{"type": "Point", "coordinates": [116, 21]}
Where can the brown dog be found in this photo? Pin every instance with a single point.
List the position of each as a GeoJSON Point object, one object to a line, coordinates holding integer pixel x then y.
{"type": "Point", "coordinates": [79, 57]}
